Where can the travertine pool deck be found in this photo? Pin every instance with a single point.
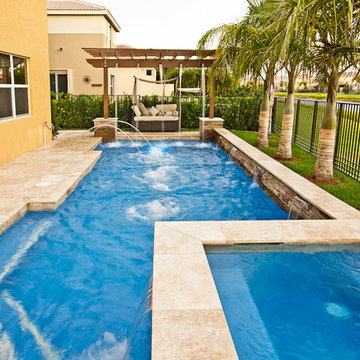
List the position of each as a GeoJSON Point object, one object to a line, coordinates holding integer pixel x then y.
{"type": "Point", "coordinates": [41, 179]}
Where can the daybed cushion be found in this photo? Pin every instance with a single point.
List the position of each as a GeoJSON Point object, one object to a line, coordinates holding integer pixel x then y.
{"type": "Point", "coordinates": [136, 110]}
{"type": "Point", "coordinates": [143, 110]}
{"type": "Point", "coordinates": [153, 111]}
{"type": "Point", "coordinates": [167, 107]}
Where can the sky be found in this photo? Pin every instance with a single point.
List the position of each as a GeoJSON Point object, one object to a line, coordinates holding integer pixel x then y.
{"type": "Point", "coordinates": [170, 24]}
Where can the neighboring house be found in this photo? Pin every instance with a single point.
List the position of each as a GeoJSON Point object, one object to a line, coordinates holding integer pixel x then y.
{"type": "Point", "coordinates": [24, 77]}
{"type": "Point", "coordinates": [73, 25]}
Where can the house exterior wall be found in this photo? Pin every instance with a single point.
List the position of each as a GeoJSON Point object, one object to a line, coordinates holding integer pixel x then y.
{"type": "Point", "coordinates": [72, 59]}
{"type": "Point", "coordinates": [24, 33]}
{"type": "Point", "coordinates": [71, 33]}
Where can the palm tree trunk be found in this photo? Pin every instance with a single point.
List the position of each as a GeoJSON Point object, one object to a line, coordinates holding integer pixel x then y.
{"type": "Point", "coordinates": [324, 169]}
{"type": "Point", "coordinates": [284, 150]}
{"type": "Point", "coordinates": [271, 105]}
{"type": "Point", "coordinates": [262, 140]}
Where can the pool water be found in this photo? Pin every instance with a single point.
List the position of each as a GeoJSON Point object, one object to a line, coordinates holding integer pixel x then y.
{"type": "Point", "coordinates": [72, 280]}
{"type": "Point", "coordinates": [291, 305]}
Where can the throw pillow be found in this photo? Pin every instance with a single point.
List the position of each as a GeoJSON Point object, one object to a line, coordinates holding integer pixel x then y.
{"type": "Point", "coordinates": [162, 112]}
{"type": "Point", "coordinates": [169, 113]}
{"type": "Point", "coordinates": [136, 110]}
{"type": "Point", "coordinates": [175, 113]}
{"type": "Point", "coordinates": [153, 111]}
{"type": "Point", "coordinates": [143, 110]}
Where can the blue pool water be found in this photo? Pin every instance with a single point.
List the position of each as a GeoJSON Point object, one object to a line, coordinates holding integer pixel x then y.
{"type": "Point", "coordinates": [71, 281]}
{"type": "Point", "coordinates": [291, 305]}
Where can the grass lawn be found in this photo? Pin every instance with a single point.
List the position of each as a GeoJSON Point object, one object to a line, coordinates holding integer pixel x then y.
{"type": "Point", "coordinates": [348, 189]}
{"type": "Point", "coordinates": [322, 96]}
{"type": "Point", "coordinates": [349, 139]}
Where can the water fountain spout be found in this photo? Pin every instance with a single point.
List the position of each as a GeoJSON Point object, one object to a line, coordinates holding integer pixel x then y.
{"type": "Point", "coordinates": [299, 208]}
{"type": "Point", "coordinates": [123, 132]}
{"type": "Point", "coordinates": [136, 129]}
{"type": "Point", "coordinates": [143, 309]}
{"type": "Point", "coordinates": [257, 172]}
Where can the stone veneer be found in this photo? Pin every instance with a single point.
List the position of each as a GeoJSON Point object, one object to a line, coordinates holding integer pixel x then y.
{"type": "Point", "coordinates": [282, 185]}
{"type": "Point", "coordinates": [107, 133]}
{"type": "Point", "coordinates": [207, 126]}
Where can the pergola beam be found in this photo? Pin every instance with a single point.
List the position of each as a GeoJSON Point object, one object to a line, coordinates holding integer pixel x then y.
{"type": "Point", "coordinates": [126, 52]}
{"type": "Point", "coordinates": [149, 63]}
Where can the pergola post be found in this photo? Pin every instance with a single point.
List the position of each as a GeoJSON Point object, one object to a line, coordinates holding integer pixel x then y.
{"type": "Point", "coordinates": [212, 97]}
{"type": "Point", "coordinates": [106, 93]}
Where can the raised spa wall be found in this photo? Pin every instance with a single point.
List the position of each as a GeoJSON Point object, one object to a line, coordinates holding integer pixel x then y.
{"type": "Point", "coordinates": [286, 188]}
{"type": "Point", "coordinates": [276, 189]}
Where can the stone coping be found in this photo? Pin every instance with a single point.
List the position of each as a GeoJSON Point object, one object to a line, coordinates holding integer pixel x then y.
{"type": "Point", "coordinates": [321, 199]}
{"type": "Point", "coordinates": [187, 318]}
{"type": "Point", "coordinates": [41, 179]}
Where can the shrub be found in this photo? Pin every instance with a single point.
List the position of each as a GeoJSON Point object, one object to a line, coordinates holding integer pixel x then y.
{"type": "Point", "coordinates": [78, 112]}
{"type": "Point", "coordinates": [346, 88]}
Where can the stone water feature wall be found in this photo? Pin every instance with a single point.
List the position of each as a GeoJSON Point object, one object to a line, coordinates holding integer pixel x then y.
{"type": "Point", "coordinates": [275, 188]}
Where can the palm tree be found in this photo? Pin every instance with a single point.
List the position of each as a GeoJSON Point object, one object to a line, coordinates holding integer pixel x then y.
{"type": "Point", "coordinates": [244, 49]}
{"type": "Point", "coordinates": [331, 28]}
{"type": "Point", "coordinates": [295, 60]}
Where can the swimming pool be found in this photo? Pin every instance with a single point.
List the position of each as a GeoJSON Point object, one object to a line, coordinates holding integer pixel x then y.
{"type": "Point", "coordinates": [291, 305]}
{"type": "Point", "coordinates": [72, 280]}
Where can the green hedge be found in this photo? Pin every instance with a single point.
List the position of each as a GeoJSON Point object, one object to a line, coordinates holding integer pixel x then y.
{"type": "Point", "coordinates": [71, 112]}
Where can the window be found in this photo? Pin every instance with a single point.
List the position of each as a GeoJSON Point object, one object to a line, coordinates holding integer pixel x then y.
{"type": "Point", "coordinates": [59, 83]}
{"type": "Point", "coordinates": [14, 86]}
{"type": "Point", "coordinates": [148, 72]}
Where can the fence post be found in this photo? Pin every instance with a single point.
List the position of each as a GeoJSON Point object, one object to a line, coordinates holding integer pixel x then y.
{"type": "Point", "coordinates": [297, 120]}
{"type": "Point", "coordinates": [338, 127]}
{"type": "Point", "coordinates": [273, 115]}
{"type": "Point", "coordinates": [313, 126]}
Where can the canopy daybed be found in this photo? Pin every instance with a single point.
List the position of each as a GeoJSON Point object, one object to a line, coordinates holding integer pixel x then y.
{"type": "Point", "coordinates": [153, 58]}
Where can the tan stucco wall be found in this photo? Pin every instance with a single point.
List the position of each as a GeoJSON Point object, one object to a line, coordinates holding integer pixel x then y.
{"type": "Point", "coordinates": [24, 32]}
{"type": "Point", "coordinates": [74, 32]}
{"type": "Point", "coordinates": [77, 24]}
{"type": "Point", "coordinates": [72, 59]}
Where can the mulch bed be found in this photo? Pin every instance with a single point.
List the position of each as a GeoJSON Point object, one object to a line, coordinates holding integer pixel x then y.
{"type": "Point", "coordinates": [325, 182]}
{"type": "Point", "coordinates": [290, 160]}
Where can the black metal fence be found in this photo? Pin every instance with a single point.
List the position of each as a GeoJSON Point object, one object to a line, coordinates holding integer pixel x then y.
{"type": "Point", "coordinates": [307, 123]}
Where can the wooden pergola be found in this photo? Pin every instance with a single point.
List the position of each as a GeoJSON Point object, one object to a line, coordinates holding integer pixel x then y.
{"type": "Point", "coordinates": [148, 58]}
